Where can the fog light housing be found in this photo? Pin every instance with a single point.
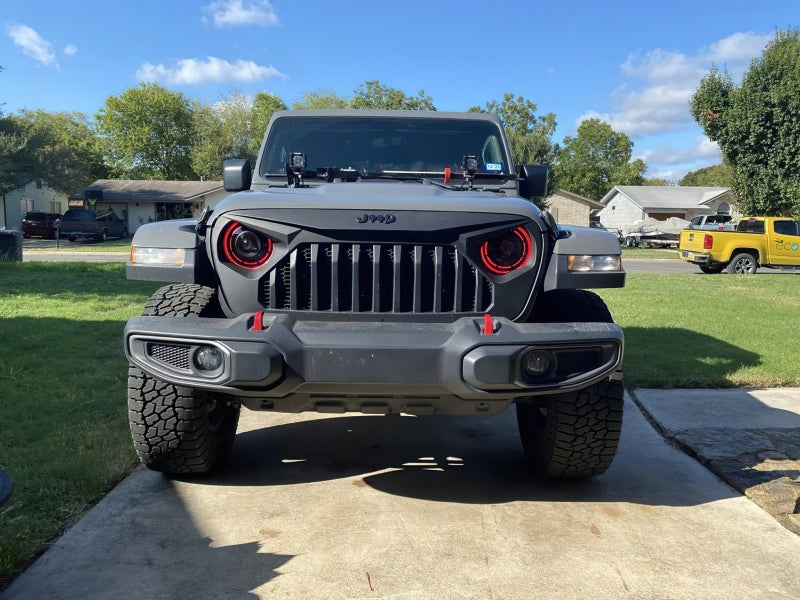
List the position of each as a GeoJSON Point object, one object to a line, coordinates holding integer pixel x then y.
{"type": "Point", "coordinates": [209, 358]}
{"type": "Point", "coordinates": [536, 364]}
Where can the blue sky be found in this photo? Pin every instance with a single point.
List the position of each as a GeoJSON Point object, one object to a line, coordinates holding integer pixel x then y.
{"type": "Point", "coordinates": [634, 64]}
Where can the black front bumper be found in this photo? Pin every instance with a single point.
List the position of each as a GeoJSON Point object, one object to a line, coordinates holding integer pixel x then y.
{"type": "Point", "coordinates": [291, 365]}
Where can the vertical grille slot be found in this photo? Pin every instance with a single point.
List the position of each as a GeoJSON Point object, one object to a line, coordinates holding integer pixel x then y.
{"type": "Point", "coordinates": [378, 278]}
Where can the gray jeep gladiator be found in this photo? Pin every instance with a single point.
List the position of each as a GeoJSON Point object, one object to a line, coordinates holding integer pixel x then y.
{"type": "Point", "coordinates": [380, 262]}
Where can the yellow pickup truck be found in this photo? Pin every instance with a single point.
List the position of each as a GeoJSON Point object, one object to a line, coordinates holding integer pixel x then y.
{"type": "Point", "coordinates": [757, 242]}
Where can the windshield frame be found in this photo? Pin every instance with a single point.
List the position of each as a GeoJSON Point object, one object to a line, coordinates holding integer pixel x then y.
{"type": "Point", "coordinates": [411, 143]}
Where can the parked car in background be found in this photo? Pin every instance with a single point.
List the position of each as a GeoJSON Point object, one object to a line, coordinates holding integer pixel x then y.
{"type": "Point", "coordinates": [757, 242]}
{"type": "Point", "coordinates": [712, 222]}
{"type": "Point", "coordinates": [39, 224]}
{"type": "Point", "coordinates": [85, 223]}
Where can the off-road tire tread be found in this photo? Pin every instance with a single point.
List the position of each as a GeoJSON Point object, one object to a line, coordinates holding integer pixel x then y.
{"type": "Point", "coordinates": [179, 430]}
{"type": "Point", "coordinates": [578, 435]}
{"type": "Point", "coordinates": [581, 432]}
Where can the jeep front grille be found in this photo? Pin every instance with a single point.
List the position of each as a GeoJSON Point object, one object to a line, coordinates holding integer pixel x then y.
{"type": "Point", "coordinates": [394, 278]}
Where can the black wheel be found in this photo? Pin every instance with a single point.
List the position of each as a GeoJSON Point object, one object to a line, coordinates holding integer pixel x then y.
{"type": "Point", "coordinates": [26, 236]}
{"type": "Point", "coordinates": [71, 238]}
{"type": "Point", "coordinates": [710, 270]}
{"type": "Point", "coordinates": [744, 262]}
{"type": "Point", "coordinates": [574, 434]}
{"type": "Point", "coordinates": [178, 429]}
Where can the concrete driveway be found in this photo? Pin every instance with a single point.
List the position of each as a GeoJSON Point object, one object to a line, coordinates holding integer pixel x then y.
{"type": "Point", "coordinates": [429, 507]}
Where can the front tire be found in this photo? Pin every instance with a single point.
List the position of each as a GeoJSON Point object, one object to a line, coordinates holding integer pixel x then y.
{"type": "Point", "coordinates": [710, 270]}
{"type": "Point", "coordinates": [175, 429]}
{"type": "Point", "coordinates": [574, 434]}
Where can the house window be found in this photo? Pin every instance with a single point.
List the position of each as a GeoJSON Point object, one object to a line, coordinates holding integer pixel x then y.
{"type": "Point", "coordinates": [55, 207]}
{"type": "Point", "coordinates": [724, 209]}
{"type": "Point", "coordinates": [38, 184]}
{"type": "Point", "coordinates": [26, 205]}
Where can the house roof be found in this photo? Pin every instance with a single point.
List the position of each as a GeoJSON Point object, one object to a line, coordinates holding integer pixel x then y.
{"type": "Point", "coordinates": [593, 204]}
{"type": "Point", "coordinates": [666, 197]}
{"type": "Point", "coordinates": [142, 190]}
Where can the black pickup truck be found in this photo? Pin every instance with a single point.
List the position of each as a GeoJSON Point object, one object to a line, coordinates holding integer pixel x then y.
{"type": "Point", "coordinates": [381, 262]}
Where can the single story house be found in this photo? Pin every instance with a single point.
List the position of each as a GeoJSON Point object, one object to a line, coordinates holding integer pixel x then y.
{"type": "Point", "coordinates": [144, 201]}
{"type": "Point", "coordinates": [36, 196]}
{"type": "Point", "coordinates": [571, 209]}
{"type": "Point", "coordinates": [624, 204]}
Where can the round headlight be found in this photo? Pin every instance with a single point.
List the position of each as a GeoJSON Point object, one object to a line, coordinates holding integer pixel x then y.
{"type": "Point", "coordinates": [508, 251]}
{"type": "Point", "coordinates": [245, 247]}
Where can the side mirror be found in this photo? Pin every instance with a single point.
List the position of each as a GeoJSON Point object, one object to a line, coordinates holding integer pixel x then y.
{"type": "Point", "coordinates": [533, 181]}
{"type": "Point", "coordinates": [236, 174]}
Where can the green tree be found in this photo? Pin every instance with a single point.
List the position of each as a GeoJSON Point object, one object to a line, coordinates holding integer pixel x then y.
{"type": "Point", "coordinates": [231, 128]}
{"type": "Point", "coordinates": [321, 99]}
{"type": "Point", "coordinates": [264, 106]}
{"type": "Point", "coordinates": [12, 146]}
{"type": "Point", "coordinates": [757, 126]}
{"type": "Point", "coordinates": [148, 132]}
{"type": "Point", "coordinates": [713, 176]}
{"type": "Point", "coordinates": [60, 148]}
{"type": "Point", "coordinates": [370, 94]}
{"type": "Point", "coordinates": [530, 135]}
{"type": "Point", "coordinates": [597, 159]}
{"type": "Point", "coordinates": [373, 94]}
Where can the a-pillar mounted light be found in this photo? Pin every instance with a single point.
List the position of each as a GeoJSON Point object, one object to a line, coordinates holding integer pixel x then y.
{"type": "Point", "coordinates": [470, 165]}
{"type": "Point", "coordinates": [295, 168]}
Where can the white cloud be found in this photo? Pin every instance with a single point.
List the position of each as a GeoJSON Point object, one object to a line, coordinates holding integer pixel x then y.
{"type": "Point", "coordinates": [192, 71]}
{"type": "Point", "coordinates": [659, 84]}
{"type": "Point", "coordinates": [738, 48]}
{"type": "Point", "coordinates": [70, 49]}
{"type": "Point", "coordinates": [234, 13]}
{"type": "Point", "coordinates": [704, 150]}
{"type": "Point", "coordinates": [670, 162]}
{"type": "Point", "coordinates": [32, 44]}
{"type": "Point", "coordinates": [653, 110]}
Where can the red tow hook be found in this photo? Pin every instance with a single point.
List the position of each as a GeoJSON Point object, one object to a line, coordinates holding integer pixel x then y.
{"type": "Point", "coordinates": [488, 325]}
{"type": "Point", "coordinates": [258, 321]}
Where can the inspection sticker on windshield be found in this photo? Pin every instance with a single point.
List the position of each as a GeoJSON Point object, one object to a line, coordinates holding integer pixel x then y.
{"type": "Point", "coordinates": [494, 166]}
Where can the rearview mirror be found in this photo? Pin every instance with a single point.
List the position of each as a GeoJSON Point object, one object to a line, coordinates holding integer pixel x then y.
{"type": "Point", "coordinates": [236, 174]}
{"type": "Point", "coordinates": [533, 181]}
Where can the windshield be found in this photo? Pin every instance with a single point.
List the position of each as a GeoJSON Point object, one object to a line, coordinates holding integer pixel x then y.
{"type": "Point", "coordinates": [78, 215]}
{"type": "Point", "coordinates": [385, 144]}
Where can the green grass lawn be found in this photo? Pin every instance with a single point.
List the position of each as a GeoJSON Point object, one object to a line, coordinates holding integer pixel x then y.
{"type": "Point", "coordinates": [63, 424]}
{"type": "Point", "coordinates": [709, 331]}
{"type": "Point", "coordinates": [649, 253]}
{"type": "Point", "coordinates": [63, 420]}
{"type": "Point", "coordinates": [88, 246]}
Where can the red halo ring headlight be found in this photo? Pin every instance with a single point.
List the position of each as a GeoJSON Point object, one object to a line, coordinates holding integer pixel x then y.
{"type": "Point", "coordinates": [507, 252]}
{"type": "Point", "coordinates": [244, 247]}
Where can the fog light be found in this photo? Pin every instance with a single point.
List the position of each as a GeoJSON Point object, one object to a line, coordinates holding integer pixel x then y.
{"type": "Point", "coordinates": [536, 364]}
{"type": "Point", "coordinates": [208, 358]}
